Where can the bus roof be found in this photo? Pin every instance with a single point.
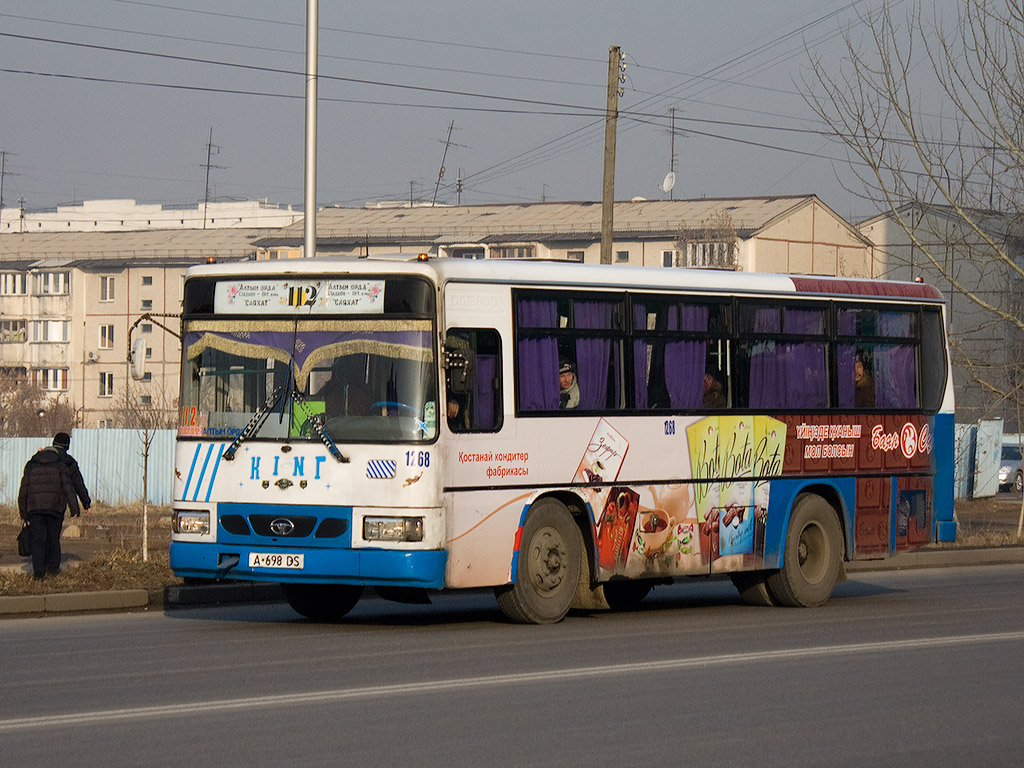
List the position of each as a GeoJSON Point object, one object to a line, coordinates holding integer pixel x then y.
{"type": "Point", "coordinates": [548, 273]}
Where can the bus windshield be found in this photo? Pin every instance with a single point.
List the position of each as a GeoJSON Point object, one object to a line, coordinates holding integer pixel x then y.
{"type": "Point", "coordinates": [362, 380]}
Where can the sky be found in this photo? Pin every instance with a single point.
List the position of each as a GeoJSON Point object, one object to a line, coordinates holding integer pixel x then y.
{"type": "Point", "coordinates": [119, 99]}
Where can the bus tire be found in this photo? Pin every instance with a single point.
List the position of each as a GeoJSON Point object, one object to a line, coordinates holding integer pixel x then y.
{"type": "Point", "coordinates": [753, 588]}
{"type": "Point", "coordinates": [322, 602]}
{"type": "Point", "coordinates": [813, 556]}
{"type": "Point", "coordinates": [547, 569]}
{"type": "Point", "coordinates": [624, 595]}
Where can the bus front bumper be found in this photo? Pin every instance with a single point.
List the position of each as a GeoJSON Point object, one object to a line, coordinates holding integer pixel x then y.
{"type": "Point", "coordinates": [370, 567]}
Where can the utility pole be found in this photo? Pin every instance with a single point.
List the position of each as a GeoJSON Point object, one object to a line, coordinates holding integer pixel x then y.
{"type": "Point", "coordinates": [616, 69]}
{"type": "Point", "coordinates": [210, 147]}
{"type": "Point", "coordinates": [309, 197]}
{"type": "Point", "coordinates": [458, 188]}
{"type": "Point", "coordinates": [440, 173]}
{"type": "Point", "coordinates": [672, 147]}
{"type": "Point", "coordinates": [3, 172]}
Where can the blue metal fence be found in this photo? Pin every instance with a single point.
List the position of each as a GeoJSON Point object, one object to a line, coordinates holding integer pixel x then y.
{"type": "Point", "coordinates": [111, 461]}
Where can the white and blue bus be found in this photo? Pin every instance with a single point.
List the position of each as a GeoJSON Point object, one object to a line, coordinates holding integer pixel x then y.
{"type": "Point", "coordinates": [568, 435]}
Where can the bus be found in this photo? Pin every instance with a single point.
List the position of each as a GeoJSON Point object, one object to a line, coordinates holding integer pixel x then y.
{"type": "Point", "coordinates": [569, 435]}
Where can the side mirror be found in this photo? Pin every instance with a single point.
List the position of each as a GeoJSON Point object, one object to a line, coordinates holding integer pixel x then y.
{"type": "Point", "coordinates": [137, 358]}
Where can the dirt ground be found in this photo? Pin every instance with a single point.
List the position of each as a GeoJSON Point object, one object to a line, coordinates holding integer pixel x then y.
{"type": "Point", "coordinates": [100, 532]}
{"type": "Point", "coordinates": [981, 522]}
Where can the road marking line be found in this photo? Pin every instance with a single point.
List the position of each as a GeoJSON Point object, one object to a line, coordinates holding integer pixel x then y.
{"type": "Point", "coordinates": [547, 676]}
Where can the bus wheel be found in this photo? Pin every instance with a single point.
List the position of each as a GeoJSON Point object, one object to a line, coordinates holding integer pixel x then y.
{"type": "Point", "coordinates": [752, 587]}
{"type": "Point", "coordinates": [322, 602]}
{"type": "Point", "coordinates": [811, 562]}
{"type": "Point", "coordinates": [548, 567]}
{"type": "Point", "coordinates": [622, 595]}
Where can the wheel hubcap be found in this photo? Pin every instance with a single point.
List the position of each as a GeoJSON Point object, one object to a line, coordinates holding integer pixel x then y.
{"type": "Point", "coordinates": [812, 554]}
{"type": "Point", "coordinates": [548, 559]}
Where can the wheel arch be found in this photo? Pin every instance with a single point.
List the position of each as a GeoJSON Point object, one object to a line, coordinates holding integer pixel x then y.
{"type": "Point", "coordinates": [581, 515]}
{"type": "Point", "coordinates": [831, 495]}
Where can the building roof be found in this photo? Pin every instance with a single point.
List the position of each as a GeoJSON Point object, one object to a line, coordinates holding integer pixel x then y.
{"type": "Point", "coordinates": [105, 250]}
{"type": "Point", "coordinates": [996, 223]}
{"type": "Point", "coordinates": [541, 222]}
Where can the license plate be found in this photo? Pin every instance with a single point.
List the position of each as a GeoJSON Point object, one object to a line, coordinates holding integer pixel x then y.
{"type": "Point", "coordinates": [276, 560]}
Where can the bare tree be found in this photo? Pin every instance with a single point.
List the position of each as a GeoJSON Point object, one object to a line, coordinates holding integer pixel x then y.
{"type": "Point", "coordinates": [712, 243]}
{"type": "Point", "coordinates": [146, 418]}
{"type": "Point", "coordinates": [26, 410]}
{"type": "Point", "coordinates": [931, 112]}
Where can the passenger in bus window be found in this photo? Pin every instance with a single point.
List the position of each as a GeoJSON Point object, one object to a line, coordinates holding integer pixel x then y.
{"type": "Point", "coordinates": [864, 384]}
{"type": "Point", "coordinates": [569, 395]}
{"type": "Point", "coordinates": [714, 396]}
{"type": "Point", "coordinates": [458, 416]}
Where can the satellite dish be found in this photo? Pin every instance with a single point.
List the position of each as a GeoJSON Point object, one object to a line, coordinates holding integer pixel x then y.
{"type": "Point", "coordinates": [669, 182]}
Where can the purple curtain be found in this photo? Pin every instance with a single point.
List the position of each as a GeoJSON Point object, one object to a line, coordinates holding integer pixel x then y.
{"type": "Point", "coordinates": [894, 376]}
{"type": "Point", "coordinates": [592, 355]}
{"type": "Point", "coordinates": [483, 413]}
{"type": "Point", "coordinates": [538, 357]}
{"type": "Point", "coordinates": [846, 358]}
{"type": "Point", "coordinates": [311, 348]}
{"type": "Point", "coordinates": [684, 360]}
{"type": "Point", "coordinates": [809, 321]}
{"type": "Point", "coordinates": [895, 366]}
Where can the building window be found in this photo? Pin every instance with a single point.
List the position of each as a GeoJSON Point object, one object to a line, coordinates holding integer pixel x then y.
{"type": "Point", "coordinates": [713, 255]}
{"type": "Point", "coordinates": [106, 288]}
{"type": "Point", "coordinates": [13, 284]}
{"type": "Point", "coordinates": [106, 337]}
{"type": "Point", "coordinates": [147, 279]}
{"type": "Point", "coordinates": [575, 256]}
{"type": "Point", "coordinates": [147, 376]}
{"type": "Point", "coordinates": [13, 331]}
{"type": "Point", "coordinates": [146, 400]}
{"type": "Point", "coordinates": [50, 330]}
{"type": "Point", "coordinates": [106, 385]}
{"type": "Point", "coordinates": [52, 283]}
{"type": "Point", "coordinates": [621, 257]}
{"type": "Point", "coordinates": [105, 424]}
{"type": "Point", "coordinates": [147, 305]}
{"type": "Point", "coordinates": [50, 379]}
{"type": "Point", "coordinates": [149, 352]}
{"type": "Point", "coordinates": [512, 252]}
{"type": "Point", "coordinates": [147, 327]}
{"type": "Point", "coordinates": [668, 258]}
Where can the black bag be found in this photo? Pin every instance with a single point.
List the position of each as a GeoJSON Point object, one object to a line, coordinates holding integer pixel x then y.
{"type": "Point", "coordinates": [24, 541]}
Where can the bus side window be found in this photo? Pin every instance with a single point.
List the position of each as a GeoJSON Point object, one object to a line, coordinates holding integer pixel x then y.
{"type": "Point", "coordinates": [473, 400]}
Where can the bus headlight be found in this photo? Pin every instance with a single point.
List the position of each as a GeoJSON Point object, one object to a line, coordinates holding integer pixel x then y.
{"type": "Point", "coordinates": [196, 521]}
{"type": "Point", "coordinates": [393, 528]}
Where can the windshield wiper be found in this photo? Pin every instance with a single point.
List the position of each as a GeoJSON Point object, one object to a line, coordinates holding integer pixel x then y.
{"type": "Point", "coordinates": [315, 422]}
{"type": "Point", "coordinates": [258, 418]}
{"type": "Point", "coordinates": [255, 423]}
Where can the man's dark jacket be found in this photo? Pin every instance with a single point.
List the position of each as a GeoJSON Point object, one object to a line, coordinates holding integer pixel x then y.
{"type": "Point", "coordinates": [75, 474]}
{"type": "Point", "coordinates": [46, 486]}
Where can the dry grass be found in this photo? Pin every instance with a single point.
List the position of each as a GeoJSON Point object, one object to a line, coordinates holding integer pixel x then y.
{"type": "Point", "coordinates": [114, 570]}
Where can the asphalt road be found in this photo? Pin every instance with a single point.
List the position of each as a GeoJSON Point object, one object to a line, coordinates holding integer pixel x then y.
{"type": "Point", "coordinates": [900, 668]}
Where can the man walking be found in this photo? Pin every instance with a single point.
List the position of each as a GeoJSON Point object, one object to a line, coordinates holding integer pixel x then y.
{"type": "Point", "coordinates": [46, 492]}
{"type": "Point", "coordinates": [62, 442]}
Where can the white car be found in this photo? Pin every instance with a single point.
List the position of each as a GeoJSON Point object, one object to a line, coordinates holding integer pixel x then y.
{"type": "Point", "coordinates": [1010, 470]}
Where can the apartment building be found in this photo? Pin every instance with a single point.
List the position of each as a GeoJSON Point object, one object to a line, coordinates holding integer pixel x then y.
{"type": "Point", "coordinates": [68, 302]}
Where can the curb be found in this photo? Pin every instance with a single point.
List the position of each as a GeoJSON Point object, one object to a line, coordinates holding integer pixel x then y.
{"type": "Point", "coordinates": [940, 558]}
{"type": "Point", "coordinates": [204, 595]}
{"type": "Point", "coordinates": [75, 602]}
